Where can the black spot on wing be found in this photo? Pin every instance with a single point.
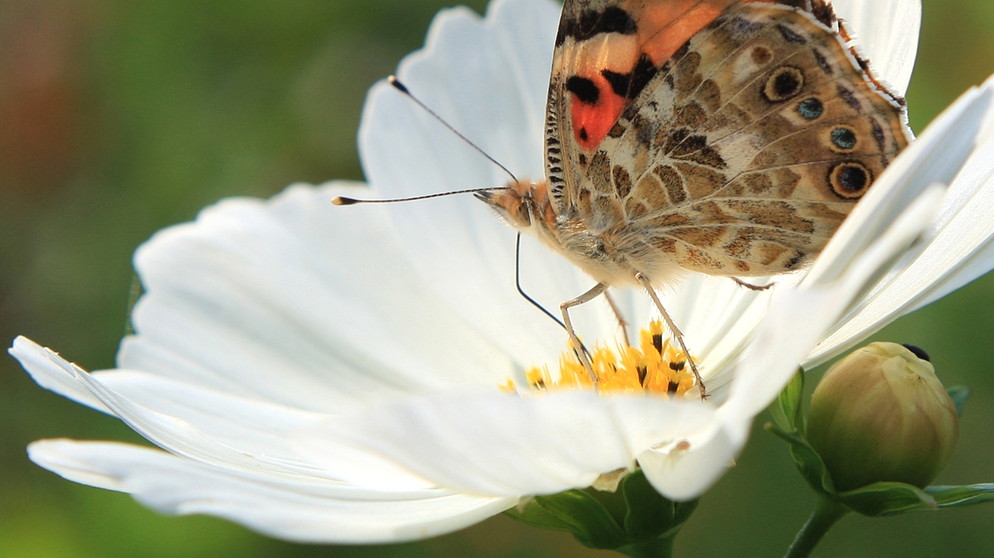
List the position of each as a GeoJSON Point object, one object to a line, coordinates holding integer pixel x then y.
{"type": "Point", "coordinates": [849, 97]}
{"type": "Point", "coordinates": [844, 138]}
{"type": "Point", "coordinates": [784, 83]}
{"type": "Point", "coordinates": [810, 108]}
{"type": "Point", "coordinates": [585, 90]}
{"type": "Point", "coordinates": [590, 23]}
{"type": "Point", "coordinates": [642, 74]}
{"type": "Point", "coordinates": [878, 135]}
{"type": "Point", "coordinates": [790, 35]}
{"type": "Point", "coordinates": [795, 261]}
{"type": "Point", "coordinates": [738, 28]}
{"type": "Point", "coordinates": [823, 62]}
{"type": "Point", "coordinates": [619, 82]}
{"type": "Point", "coordinates": [630, 85]}
{"type": "Point", "coordinates": [849, 180]}
{"type": "Point", "coordinates": [685, 145]}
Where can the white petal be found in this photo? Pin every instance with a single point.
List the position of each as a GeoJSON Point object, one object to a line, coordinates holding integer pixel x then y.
{"type": "Point", "coordinates": [718, 317]}
{"type": "Point", "coordinates": [274, 301]}
{"type": "Point", "coordinates": [52, 372]}
{"type": "Point", "coordinates": [886, 32]}
{"type": "Point", "coordinates": [686, 474]}
{"type": "Point", "coordinates": [504, 445]}
{"type": "Point", "coordinates": [283, 508]}
{"type": "Point", "coordinates": [216, 427]}
{"type": "Point", "coordinates": [962, 249]}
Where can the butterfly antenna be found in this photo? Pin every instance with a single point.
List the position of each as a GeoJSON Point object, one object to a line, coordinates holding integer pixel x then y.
{"type": "Point", "coordinates": [343, 200]}
{"type": "Point", "coordinates": [396, 83]}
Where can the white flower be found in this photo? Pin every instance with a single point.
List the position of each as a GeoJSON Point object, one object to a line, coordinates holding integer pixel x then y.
{"type": "Point", "coordinates": [330, 374]}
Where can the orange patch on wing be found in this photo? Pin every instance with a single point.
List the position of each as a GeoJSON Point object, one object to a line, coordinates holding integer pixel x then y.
{"type": "Point", "coordinates": [663, 27]}
{"type": "Point", "coordinates": [591, 122]}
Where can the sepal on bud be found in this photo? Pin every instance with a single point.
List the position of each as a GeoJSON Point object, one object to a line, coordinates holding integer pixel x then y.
{"type": "Point", "coordinates": [634, 519]}
{"type": "Point", "coordinates": [878, 498]}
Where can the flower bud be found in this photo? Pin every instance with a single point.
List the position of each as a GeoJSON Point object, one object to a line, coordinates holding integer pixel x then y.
{"type": "Point", "coordinates": [880, 414]}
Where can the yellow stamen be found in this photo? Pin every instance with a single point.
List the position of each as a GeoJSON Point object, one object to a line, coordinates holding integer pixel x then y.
{"type": "Point", "coordinates": [655, 366]}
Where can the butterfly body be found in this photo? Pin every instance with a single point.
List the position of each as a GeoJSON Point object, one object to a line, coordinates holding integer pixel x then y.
{"type": "Point", "coordinates": [722, 137]}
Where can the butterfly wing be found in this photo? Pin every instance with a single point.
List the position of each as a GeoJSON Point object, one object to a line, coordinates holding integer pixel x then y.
{"type": "Point", "coordinates": [737, 152]}
{"type": "Point", "coordinates": [606, 53]}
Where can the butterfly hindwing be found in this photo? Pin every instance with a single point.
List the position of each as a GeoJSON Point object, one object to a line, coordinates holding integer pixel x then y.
{"type": "Point", "coordinates": [725, 137]}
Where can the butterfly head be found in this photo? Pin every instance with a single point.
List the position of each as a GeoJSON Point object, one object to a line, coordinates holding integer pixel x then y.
{"type": "Point", "coordinates": [522, 204]}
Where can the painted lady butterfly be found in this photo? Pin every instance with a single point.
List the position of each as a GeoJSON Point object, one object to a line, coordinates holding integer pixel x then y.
{"type": "Point", "coordinates": [718, 136]}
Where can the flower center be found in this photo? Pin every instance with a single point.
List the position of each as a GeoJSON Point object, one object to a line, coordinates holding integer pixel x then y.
{"type": "Point", "coordinates": [655, 366]}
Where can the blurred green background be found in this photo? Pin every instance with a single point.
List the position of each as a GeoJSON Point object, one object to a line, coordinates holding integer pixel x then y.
{"type": "Point", "coordinates": [119, 118]}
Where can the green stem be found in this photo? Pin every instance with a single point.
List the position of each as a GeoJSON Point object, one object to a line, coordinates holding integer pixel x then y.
{"type": "Point", "coordinates": [655, 548]}
{"type": "Point", "coordinates": [823, 517]}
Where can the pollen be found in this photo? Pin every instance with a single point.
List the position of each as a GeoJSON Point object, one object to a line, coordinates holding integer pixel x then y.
{"type": "Point", "coordinates": [654, 366]}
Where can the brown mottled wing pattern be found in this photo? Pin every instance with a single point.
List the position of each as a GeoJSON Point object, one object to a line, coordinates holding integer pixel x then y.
{"type": "Point", "coordinates": [740, 154]}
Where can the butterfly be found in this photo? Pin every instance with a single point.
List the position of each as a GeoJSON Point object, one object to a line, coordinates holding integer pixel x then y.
{"type": "Point", "coordinates": [724, 137]}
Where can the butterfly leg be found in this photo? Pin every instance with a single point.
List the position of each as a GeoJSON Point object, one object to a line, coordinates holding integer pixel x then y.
{"type": "Point", "coordinates": [750, 286]}
{"type": "Point", "coordinates": [617, 314]}
{"type": "Point", "coordinates": [581, 353]}
{"type": "Point", "coordinates": [647, 284]}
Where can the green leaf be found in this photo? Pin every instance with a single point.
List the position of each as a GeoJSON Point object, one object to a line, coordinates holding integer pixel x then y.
{"type": "Point", "coordinates": [635, 519]}
{"type": "Point", "coordinates": [534, 514]}
{"type": "Point", "coordinates": [577, 512]}
{"type": "Point", "coordinates": [650, 515]}
{"type": "Point", "coordinates": [890, 498]}
{"type": "Point", "coordinates": [787, 409]}
{"type": "Point", "coordinates": [956, 496]}
{"type": "Point", "coordinates": [647, 509]}
{"type": "Point", "coordinates": [886, 498]}
{"type": "Point", "coordinates": [807, 460]}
